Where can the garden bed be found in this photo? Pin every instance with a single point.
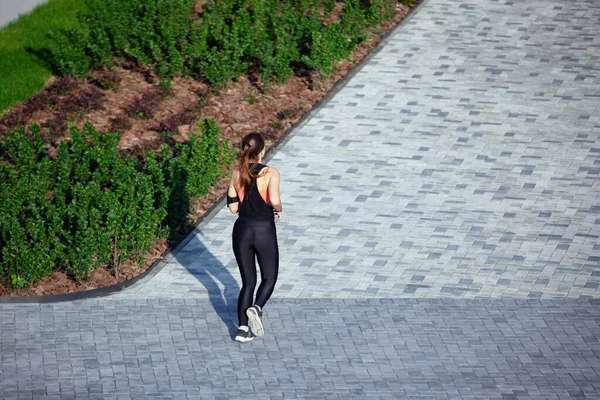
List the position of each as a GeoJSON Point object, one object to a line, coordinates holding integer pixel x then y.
{"type": "Point", "coordinates": [128, 100]}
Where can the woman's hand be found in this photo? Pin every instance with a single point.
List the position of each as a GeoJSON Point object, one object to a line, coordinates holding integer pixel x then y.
{"type": "Point", "coordinates": [277, 214]}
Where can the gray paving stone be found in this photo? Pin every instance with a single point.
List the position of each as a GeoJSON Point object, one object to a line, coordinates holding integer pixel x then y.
{"type": "Point", "coordinates": [321, 348]}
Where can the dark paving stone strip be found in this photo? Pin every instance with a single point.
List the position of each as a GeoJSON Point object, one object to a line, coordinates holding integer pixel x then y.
{"type": "Point", "coordinates": [313, 349]}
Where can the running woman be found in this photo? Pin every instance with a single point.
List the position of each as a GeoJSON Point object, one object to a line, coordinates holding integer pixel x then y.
{"type": "Point", "coordinates": [254, 194]}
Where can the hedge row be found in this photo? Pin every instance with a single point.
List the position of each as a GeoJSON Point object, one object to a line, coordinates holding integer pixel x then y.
{"type": "Point", "coordinates": [227, 39]}
{"type": "Point", "coordinates": [92, 206]}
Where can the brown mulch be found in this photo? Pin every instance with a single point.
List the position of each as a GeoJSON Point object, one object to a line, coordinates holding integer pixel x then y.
{"type": "Point", "coordinates": [239, 109]}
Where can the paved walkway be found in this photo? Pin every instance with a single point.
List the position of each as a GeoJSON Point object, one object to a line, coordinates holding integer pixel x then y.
{"type": "Point", "coordinates": [10, 10]}
{"type": "Point", "coordinates": [439, 240]}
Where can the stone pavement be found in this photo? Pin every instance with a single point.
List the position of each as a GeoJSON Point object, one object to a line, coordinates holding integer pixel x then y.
{"type": "Point", "coordinates": [439, 239]}
{"type": "Point", "coordinates": [10, 10]}
{"type": "Point", "coordinates": [315, 349]}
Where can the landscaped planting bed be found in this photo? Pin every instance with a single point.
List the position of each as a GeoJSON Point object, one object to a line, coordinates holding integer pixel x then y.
{"type": "Point", "coordinates": [83, 209]}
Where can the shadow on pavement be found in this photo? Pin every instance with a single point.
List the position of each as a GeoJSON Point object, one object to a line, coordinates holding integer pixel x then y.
{"type": "Point", "coordinates": [205, 267]}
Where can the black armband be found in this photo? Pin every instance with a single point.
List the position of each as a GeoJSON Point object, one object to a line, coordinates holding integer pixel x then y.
{"type": "Point", "coordinates": [232, 199]}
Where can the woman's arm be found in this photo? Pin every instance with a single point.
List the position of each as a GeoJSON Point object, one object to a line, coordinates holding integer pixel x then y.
{"type": "Point", "coordinates": [233, 201]}
{"type": "Point", "coordinates": [274, 190]}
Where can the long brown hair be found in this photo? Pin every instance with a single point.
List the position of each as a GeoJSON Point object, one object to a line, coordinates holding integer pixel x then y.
{"type": "Point", "coordinates": [251, 147]}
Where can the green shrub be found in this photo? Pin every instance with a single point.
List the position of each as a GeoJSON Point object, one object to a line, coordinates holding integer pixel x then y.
{"type": "Point", "coordinates": [154, 33]}
{"type": "Point", "coordinates": [274, 35]}
{"type": "Point", "coordinates": [328, 45]}
{"type": "Point", "coordinates": [69, 52]}
{"type": "Point", "coordinates": [329, 5]}
{"type": "Point", "coordinates": [205, 157]}
{"type": "Point", "coordinates": [232, 36]}
{"type": "Point", "coordinates": [92, 206]}
{"type": "Point", "coordinates": [379, 10]}
{"type": "Point", "coordinates": [354, 21]}
{"type": "Point", "coordinates": [335, 42]}
{"type": "Point", "coordinates": [29, 222]}
{"type": "Point", "coordinates": [108, 211]}
{"type": "Point", "coordinates": [189, 175]}
{"type": "Point", "coordinates": [219, 67]}
{"type": "Point", "coordinates": [226, 43]}
{"type": "Point", "coordinates": [177, 201]}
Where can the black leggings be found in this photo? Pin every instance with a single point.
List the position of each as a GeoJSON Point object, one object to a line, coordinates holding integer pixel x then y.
{"type": "Point", "coordinates": [255, 239]}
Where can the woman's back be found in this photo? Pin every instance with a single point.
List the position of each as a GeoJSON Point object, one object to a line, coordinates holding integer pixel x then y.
{"type": "Point", "coordinates": [256, 204]}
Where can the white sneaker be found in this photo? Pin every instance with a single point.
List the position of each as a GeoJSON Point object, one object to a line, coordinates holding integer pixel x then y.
{"type": "Point", "coordinates": [254, 314]}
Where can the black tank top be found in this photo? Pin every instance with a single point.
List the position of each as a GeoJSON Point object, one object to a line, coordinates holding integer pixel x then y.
{"type": "Point", "coordinates": [253, 206]}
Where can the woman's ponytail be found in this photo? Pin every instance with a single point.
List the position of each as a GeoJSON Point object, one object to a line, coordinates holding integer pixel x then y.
{"type": "Point", "coordinates": [251, 147]}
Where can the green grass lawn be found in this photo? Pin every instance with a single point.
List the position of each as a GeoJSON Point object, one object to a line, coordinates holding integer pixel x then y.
{"type": "Point", "coordinates": [24, 45]}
